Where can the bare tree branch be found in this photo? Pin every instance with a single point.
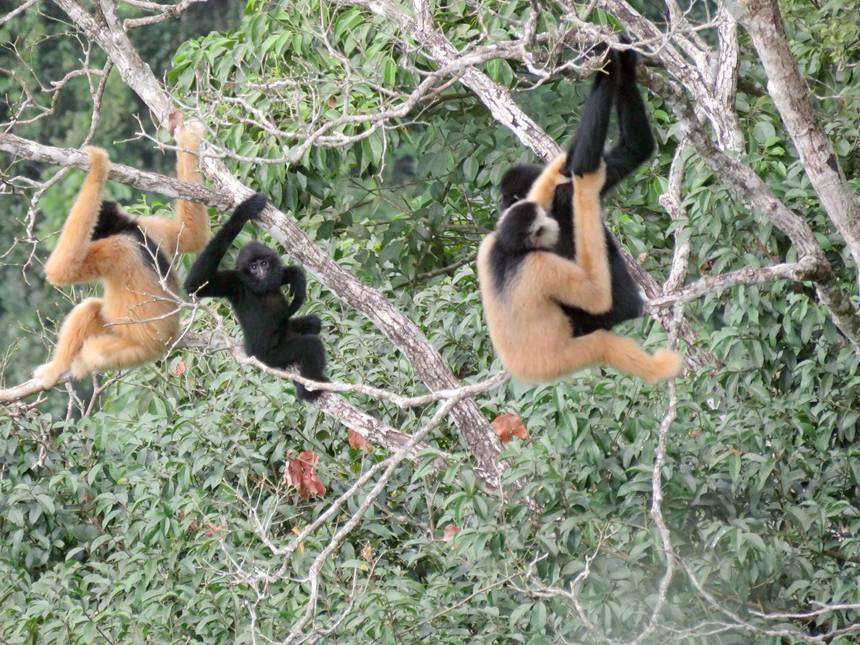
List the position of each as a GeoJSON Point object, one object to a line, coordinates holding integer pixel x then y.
{"type": "Point", "coordinates": [17, 11]}
{"type": "Point", "coordinates": [788, 90]}
{"type": "Point", "coordinates": [141, 179]}
{"type": "Point", "coordinates": [805, 269]}
{"type": "Point", "coordinates": [162, 12]}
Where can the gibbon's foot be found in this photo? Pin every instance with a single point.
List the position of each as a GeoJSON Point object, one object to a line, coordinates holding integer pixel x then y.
{"type": "Point", "coordinates": [48, 374]}
{"type": "Point", "coordinates": [667, 364]}
{"type": "Point", "coordinates": [304, 394]}
{"type": "Point", "coordinates": [99, 161]}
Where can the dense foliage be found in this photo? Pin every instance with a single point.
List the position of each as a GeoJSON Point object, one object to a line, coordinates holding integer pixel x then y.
{"type": "Point", "coordinates": [139, 525]}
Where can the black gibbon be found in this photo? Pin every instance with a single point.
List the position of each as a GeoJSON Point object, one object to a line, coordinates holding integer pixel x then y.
{"type": "Point", "coordinates": [634, 147]}
{"type": "Point", "coordinates": [524, 283]}
{"type": "Point", "coordinates": [136, 319]}
{"type": "Point", "coordinates": [254, 291]}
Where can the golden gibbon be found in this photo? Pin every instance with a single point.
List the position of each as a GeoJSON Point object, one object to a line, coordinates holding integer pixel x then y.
{"type": "Point", "coordinates": [137, 317]}
{"type": "Point", "coordinates": [524, 285]}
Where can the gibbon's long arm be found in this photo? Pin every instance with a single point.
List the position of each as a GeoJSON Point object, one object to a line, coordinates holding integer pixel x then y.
{"type": "Point", "coordinates": [543, 189]}
{"type": "Point", "coordinates": [586, 149]}
{"type": "Point", "coordinates": [295, 277]}
{"type": "Point", "coordinates": [636, 143]}
{"type": "Point", "coordinates": [204, 279]}
{"type": "Point", "coordinates": [189, 231]}
{"type": "Point", "coordinates": [585, 283]}
{"type": "Point", "coordinates": [75, 258]}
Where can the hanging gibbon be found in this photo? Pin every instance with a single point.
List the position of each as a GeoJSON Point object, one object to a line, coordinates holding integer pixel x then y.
{"type": "Point", "coordinates": [254, 288]}
{"type": "Point", "coordinates": [525, 284]}
{"type": "Point", "coordinates": [616, 84]}
{"type": "Point", "coordinates": [137, 318]}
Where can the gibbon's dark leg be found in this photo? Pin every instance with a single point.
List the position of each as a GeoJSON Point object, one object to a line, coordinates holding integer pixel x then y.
{"type": "Point", "coordinates": [306, 325]}
{"type": "Point", "coordinates": [635, 144]}
{"type": "Point", "coordinates": [586, 150]}
{"type": "Point", "coordinates": [205, 267]}
{"type": "Point", "coordinates": [306, 352]}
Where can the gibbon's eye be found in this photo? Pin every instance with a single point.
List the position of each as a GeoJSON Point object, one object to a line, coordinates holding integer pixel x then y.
{"type": "Point", "coordinates": [264, 264]}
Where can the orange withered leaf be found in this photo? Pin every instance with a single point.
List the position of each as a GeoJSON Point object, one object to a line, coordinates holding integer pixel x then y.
{"type": "Point", "coordinates": [300, 473]}
{"type": "Point", "coordinates": [179, 368]}
{"type": "Point", "coordinates": [213, 529]}
{"type": "Point", "coordinates": [358, 442]}
{"type": "Point", "coordinates": [450, 531]}
{"type": "Point", "coordinates": [508, 426]}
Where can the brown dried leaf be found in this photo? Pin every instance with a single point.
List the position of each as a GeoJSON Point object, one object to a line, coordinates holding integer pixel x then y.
{"type": "Point", "coordinates": [179, 368]}
{"type": "Point", "coordinates": [450, 531]}
{"type": "Point", "coordinates": [213, 529]}
{"type": "Point", "coordinates": [508, 426]}
{"type": "Point", "coordinates": [300, 473]}
{"type": "Point", "coordinates": [358, 442]}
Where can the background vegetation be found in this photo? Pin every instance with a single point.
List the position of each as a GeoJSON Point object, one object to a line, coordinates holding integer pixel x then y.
{"type": "Point", "coordinates": [138, 524]}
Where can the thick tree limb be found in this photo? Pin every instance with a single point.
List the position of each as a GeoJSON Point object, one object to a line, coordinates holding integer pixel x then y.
{"type": "Point", "coordinates": [474, 429]}
{"type": "Point", "coordinates": [790, 94]}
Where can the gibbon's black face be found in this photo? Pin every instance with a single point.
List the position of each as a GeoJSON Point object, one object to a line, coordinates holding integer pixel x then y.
{"type": "Point", "coordinates": [260, 268]}
{"type": "Point", "coordinates": [525, 227]}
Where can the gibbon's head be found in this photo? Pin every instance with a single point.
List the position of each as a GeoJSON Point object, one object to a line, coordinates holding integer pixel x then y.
{"type": "Point", "coordinates": [525, 227]}
{"type": "Point", "coordinates": [517, 181]}
{"type": "Point", "coordinates": [260, 268]}
{"type": "Point", "coordinates": [112, 221]}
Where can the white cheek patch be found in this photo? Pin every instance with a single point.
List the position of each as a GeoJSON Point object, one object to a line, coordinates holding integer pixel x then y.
{"type": "Point", "coordinates": [544, 230]}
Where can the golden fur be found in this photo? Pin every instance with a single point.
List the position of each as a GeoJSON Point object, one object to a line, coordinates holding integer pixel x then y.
{"type": "Point", "coordinates": [136, 320]}
{"type": "Point", "coordinates": [530, 332]}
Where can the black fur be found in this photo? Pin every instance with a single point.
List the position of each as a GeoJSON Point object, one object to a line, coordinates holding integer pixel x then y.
{"type": "Point", "coordinates": [254, 291]}
{"type": "Point", "coordinates": [512, 243]}
{"type": "Point", "coordinates": [112, 221]}
{"type": "Point", "coordinates": [634, 147]}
